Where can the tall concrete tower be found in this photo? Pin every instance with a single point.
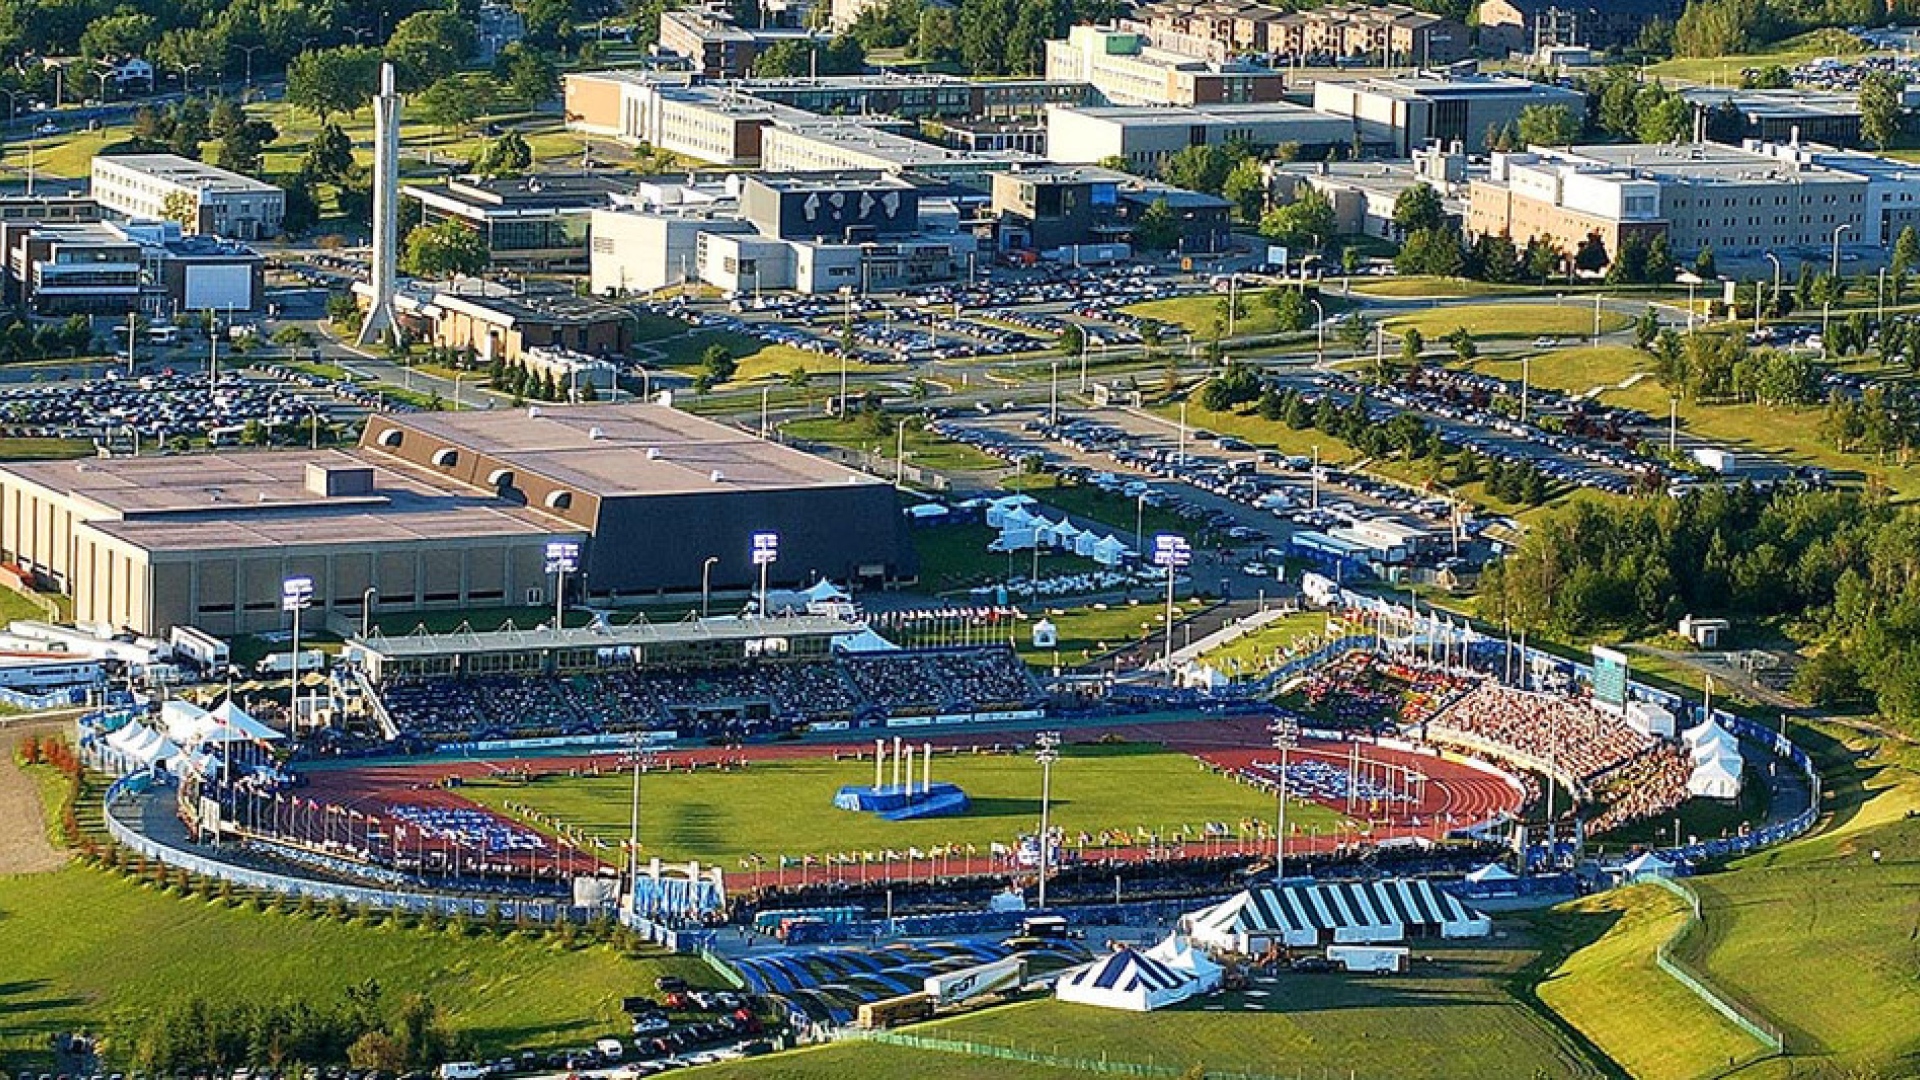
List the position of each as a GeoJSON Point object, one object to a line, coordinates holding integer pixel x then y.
{"type": "Point", "coordinates": [386, 211]}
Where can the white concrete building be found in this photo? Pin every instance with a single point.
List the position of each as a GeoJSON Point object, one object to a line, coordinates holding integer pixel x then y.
{"type": "Point", "coordinates": [1146, 135]}
{"type": "Point", "coordinates": [222, 203]}
{"type": "Point", "coordinates": [1409, 112]}
{"type": "Point", "coordinates": [1125, 70]}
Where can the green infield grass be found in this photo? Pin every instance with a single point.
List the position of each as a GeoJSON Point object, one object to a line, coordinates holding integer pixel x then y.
{"type": "Point", "coordinates": [1254, 653]}
{"type": "Point", "coordinates": [1510, 320]}
{"type": "Point", "coordinates": [87, 950]}
{"type": "Point", "coordinates": [1086, 633]}
{"type": "Point", "coordinates": [786, 807]}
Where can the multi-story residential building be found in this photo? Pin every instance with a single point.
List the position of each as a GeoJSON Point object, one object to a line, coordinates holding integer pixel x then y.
{"type": "Point", "coordinates": [206, 200]}
{"type": "Point", "coordinates": [1125, 70]}
{"type": "Point", "coordinates": [1221, 29]}
{"type": "Point", "coordinates": [1527, 26]}
{"type": "Point", "coordinates": [718, 47]}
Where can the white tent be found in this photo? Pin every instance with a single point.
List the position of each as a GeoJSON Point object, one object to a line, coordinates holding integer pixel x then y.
{"type": "Point", "coordinates": [1649, 865]}
{"type": "Point", "coordinates": [864, 640]}
{"type": "Point", "coordinates": [1715, 746]}
{"type": "Point", "coordinates": [1129, 980]}
{"type": "Point", "coordinates": [1045, 634]}
{"type": "Point", "coordinates": [1715, 778]}
{"type": "Point", "coordinates": [1108, 551]}
{"type": "Point", "coordinates": [1649, 719]}
{"type": "Point", "coordinates": [1062, 534]}
{"type": "Point", "coordinates": [234, 725]}
{"type": "Point", "coordinates": [926, 511]}
{"type": "Point", "coordinates": [1356, 912]}
{"type": "Point", "coordinates": [141, 746]}
{"type": "Point", "coordinates": [998, 509]}
{"type": "Point", "coordinates": [185, 722]}
{"type": "Point", "coordinates": [1493, 871]}
{"type": "Point", "coordinates": [825, 592]}
{"type": "Point", "coordinates": [1179, 954]}
{"type": "Point", "coordinates": [1700, 733]}
{"type": "Point", "coordinates": [1019, 518]}
{"type": "Point", "coordinates": [1085, 543]}
{"type": "Point", "coordinates": [1198, 676]}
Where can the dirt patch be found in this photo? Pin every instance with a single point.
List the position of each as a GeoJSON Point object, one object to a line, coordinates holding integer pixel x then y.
{"type": "Point", "coordinates": [24, 848]}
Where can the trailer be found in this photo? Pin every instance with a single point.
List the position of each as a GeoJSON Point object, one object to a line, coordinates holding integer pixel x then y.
{"type": "Point", "coordinates": [1369, 959]}
{"type": "Point", "coordinates": [968, 983]}
{"type": "Point", "coordinates": [887, 1012]}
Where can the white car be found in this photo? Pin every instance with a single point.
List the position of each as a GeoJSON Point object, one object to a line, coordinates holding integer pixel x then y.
{"type": "Point", "coordinates": [46, 127]}
{"type": "Point", "coordinates": [1545, 342]}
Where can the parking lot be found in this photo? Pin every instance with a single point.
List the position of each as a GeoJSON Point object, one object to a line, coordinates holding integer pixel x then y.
{"type": "Point", "coordinates": [161, 407]}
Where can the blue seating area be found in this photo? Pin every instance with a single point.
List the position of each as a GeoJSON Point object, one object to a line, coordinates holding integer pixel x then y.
{"type": "Point", "coordinates": [904, 803]}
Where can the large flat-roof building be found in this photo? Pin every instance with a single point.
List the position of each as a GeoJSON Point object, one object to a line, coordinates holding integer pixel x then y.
{"type": "Point", "coordinates": [719, 47]}
{"type": "Point", "coordinates": [216, 202]}
{"type": "Point", "coordinates": [1741, 200]}
{"type": "Point", "coordinates": [1125, 70]}
{"type": "Point", "coordinates": [1146, 135]}
{"type": "Point", "coordinates": [537, 222]}
{"type": "Point", "coordinates": [440, 511]}
{"type": "Point", "coordinates": [1778, 116]}
{"type": "Point", "coordinates": [108, 268]}
{"type": "Point", "coordinates": [669, 111]}
{"type": "Point", "coordinates": [1410, 112]}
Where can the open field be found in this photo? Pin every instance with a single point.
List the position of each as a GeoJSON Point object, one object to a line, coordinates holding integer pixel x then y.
{"type": "Point", "coordinates": [924, 448]}
{"type": "Point", "coordinates": [1609, 988]}
{"type": "Point", "coordinates": [954, 557]}
{"type": "Point", "coordinates": [1118, 512]}
{"type": "Point", "coordinates": [1574, 370]}
{"type": "Point", "coordinates": [1087, 632]}
{"type": "Point", "coordinates": [1725, 70]}
{"type": "Point", "coordinates": [1572, 319]}
{"type": "Point", "coordinates": [1457, 1018]}
{"type": "Point", "coordinates": [1198, 314]}
{"type": "Point", "coordinates": [44, 449]}
{"type": "Point", "coordinates": [88, 950]}
{"type": "Point", "coordinates": [1421, 285]}
{"type": "Point", "coordinates": [1253, 653]}
{"type": "Point", "coordinates": [787, 806]}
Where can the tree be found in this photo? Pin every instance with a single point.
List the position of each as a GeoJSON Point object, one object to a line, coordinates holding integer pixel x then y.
{"type": "Point", "coordinates": [1548, 125]}
{"type": "Point", "coordinates": [788, 59]}
{"type": "Point", "coordinates": [377, 1050]}
{"type": "Point", "coordinates": [183, 207]}
{"type": "Point", "coordinates": [1880, 108]}
{"type": "Point", "coordinates": [1591, 257]}
{"type": "Point", "coordinates": [1646, 329]}
{"type": "Point", "coordinates": [1464, 347]}
{"type": "Point", "coordinates": [503, 156]}
{"type": "Point", "coordinates": [429, 45]}
{"type": "Point", "coordinates": [225, 118]}
{"type": "Point", "coordinates": [443, 250]}
{"type": "Point", "coordinates": [1659, 266]}
{"type": "Point", "coordinates": [1494, 258]}
{"type": "Point", "coordinates": [1412, 344]}
{"type": "Point", "coordinates": [333, 81]}
{"type": "Point", "coordinates": [1072, 340]}
{"type": "Point", "coordinates": [1246, 188]}
{"type": "Point", "coordinates": [1431, 251]}
{"type": "Point", "coordinates": [1197, 168]}
{"type": "Point", "coordinates": [718, 364]}
{"type": "Point", "coordinates": [1307, 221]}
{"type": "Point", "coordinates": [1664, 117]}
{"type": "Point", "coordinates": [1355, 332]}
{"type": "Point", "coordinates": [1704, 267]}
{"type": "Point", "coordinates": [1417, 208]}
{"type": "Point", "coordinates": [125, 33]}
{"type": "Point", "coordinates": [1157, 228]}
{"type": "Point", "coordinates": [329, 156]}
{"type": "Point", "coordinates": [454, 101]}
{"type": "Point", "coordinates": [242, 148]}
{"type": "Point", "coordinates": [531, 77]}
{"type": "Point", "coordinates": [1291, 312]}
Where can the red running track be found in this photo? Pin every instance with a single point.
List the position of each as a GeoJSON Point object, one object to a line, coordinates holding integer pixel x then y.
{"type": "Point", "coordinates": [1452, 795]}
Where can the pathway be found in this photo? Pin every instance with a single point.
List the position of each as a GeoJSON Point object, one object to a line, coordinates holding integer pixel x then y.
{"type": "Point", "coordinates": [24, 847]}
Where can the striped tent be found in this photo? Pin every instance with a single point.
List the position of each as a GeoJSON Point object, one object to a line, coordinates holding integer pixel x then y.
{"type": "Point", "coordinates": [1302, 916]}
{"type": "Point", "coordinates": [1127, 979]}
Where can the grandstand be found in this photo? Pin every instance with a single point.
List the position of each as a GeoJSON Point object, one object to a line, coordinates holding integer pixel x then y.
{"type": "Point", "coordinates": [524, 686]}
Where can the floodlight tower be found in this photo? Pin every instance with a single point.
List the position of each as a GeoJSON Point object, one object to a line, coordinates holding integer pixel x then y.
{"type": "Point", "coordinates": [1048, 752]}
{"type": "Point", "coordinates": [379, 322]}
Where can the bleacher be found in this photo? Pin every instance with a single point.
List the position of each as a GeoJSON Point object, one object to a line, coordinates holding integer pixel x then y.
{"type": "Point", "coordinates": [734, 702]}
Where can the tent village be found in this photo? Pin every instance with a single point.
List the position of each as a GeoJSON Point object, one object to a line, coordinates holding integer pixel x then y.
{"type": "Point", "coordinates": [1265, 922]}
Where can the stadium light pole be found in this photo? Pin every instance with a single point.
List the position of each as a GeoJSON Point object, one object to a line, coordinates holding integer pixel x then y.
{"type": "Point", "coordinates": [706, 579]}
{"type": "Point", "coordinates": [563, 557]}
{"type": "Point", "coordinates": [296, 595]}
{"type": "Point", "coordinates": [1172, 552]}
{"type": "Point", "coordinates": [1285, 733]}
{"type": "Point", "coordinates": [366, 610]}
{"type": "Point", "coordinates": [766, 552]}
{"type": "Point", "coordinates": [1046, 755]}
{"type": "Point", "coordinates": [643, 759]}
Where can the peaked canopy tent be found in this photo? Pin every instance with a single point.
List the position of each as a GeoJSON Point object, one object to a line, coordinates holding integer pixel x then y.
{"type": "Point", "coordinates": [1128, 979]}
{"type": "Point", "coordinates": [140, 747]}
{"type": "Point", "coordinates": [1179, 954]}
{"type": "Point", "coordinates": [1491, 872]}
{"type": "Point", "coordinates": [1302, 916]}
{"type": "Point", "coordinates": [1715, 778]}
{"type": "Point", "coordinates": [1647, 864]}
{"type": "Point", "coordinates": [234, 724]}
{"type": "Point", "coordinates": [1707, 731]}
{"type": "Point", "coordinates": [1723, 745]}
{"type": "Point", "coordinates": [825, 592]}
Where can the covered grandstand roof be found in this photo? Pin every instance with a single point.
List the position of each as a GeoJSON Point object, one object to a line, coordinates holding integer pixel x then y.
{"type": "Point", "coordinates": [601, 635]}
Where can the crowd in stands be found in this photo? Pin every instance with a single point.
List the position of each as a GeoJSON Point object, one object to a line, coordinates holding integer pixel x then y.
{"type": "Point", "coordinates": [1629, 775]}
{"type": "Point", "coordinates": [730, 703]}
{"type": "Point", "coordinates": [1363, 689]}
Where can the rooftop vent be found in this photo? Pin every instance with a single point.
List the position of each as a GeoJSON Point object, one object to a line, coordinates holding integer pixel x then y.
{"type": "Point", "coordinates": [596, 433]}
{"type": "Point", "coordinates": [533, 412]}
{"type": "Point", "coordinates": [653, 453]}
{"type": "Point", "coordinates": [391, 437]}
{"type": "Point", "coordinates": [719, 477]}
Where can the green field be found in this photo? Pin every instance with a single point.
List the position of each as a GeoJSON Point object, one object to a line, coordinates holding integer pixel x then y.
{"type": "Point", "coordinates": [1575, 370]}
{"type": "Point", "coordinates": [1199, 313]}
{"type": "Point", "coordinates": [88, 950]}
{"type": "Point", "coordinates": [1456, 1018]}
{"type": "Point", "coordinates": [1421, 285]}
{"type": "Point", "coordinates": [1610, 989]}
{"type": "Point", "coordinates": [924, 448]}
{"type": "Point", "coordinates": [1089, 632]}
{"type": "Point", "coordinates": [1725, 70]}
{"type": "Point", "coordinates": [1253, 653]}
{"type": "Point", "coordinates": [786, 807]}
{"type": "Point", "coordinates": [1511, 320]}
{"type": "Point", "coordinates": [955, 557]}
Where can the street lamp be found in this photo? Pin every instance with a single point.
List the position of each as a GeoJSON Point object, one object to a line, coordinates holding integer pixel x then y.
{"type": "Point", "coordinates": [1285, 732]}
{"type": "Point", "coordinates": [1774, 303]}
{"type": "Point", "coordinates": [1320, 333]}
{"type": "Point", "coordinates": [706, 570]}
{"type": "Point", "coordinates": [366, 610]}
{"type": "Point", "coordinates": [766, 552]}
{"type": "Point", "coordinates": [1837, 230]}
{"type": "Point", "coordinates": [1172, 552]}
{"type": "Point", "coordinates": [296, 596]}
{"type": "Point", "coordinates": [249, 50]}
{"type": "Point", "coordinates": [563, 558]}
{"type": "Point", "coordinates": [1048, 753]}
{"type": "Point", "coordinates": [186, 76]}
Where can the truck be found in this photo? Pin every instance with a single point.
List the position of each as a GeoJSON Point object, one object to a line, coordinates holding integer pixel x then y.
{"type": "Point", "coordinates": [462, 1070]}
{"type": "Point", "coordinates": [954, 987]}
{"type": "Point", "coordinates": [887, 1012]}
{"type": "Point", "coordinates": [1368, 959]}
{"type": "Point", "coordinates": [282, 662]}
{"type": "Point", "coordinates": [1716, 459]}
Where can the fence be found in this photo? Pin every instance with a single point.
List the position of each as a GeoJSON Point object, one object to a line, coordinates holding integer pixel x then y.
{"type": "Point", "coordinates": [404, 900]}
{"type": "Point", "coordinates": [1767, 1034]}
{"type": "Point", "coordinates": [1102, 1065]}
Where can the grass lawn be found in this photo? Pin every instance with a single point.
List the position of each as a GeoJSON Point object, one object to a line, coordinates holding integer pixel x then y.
{"type": "Point", "coordinates": [955, 557]}
{"type": "Point", "coordinates": [1256, 652]}
{"type": "Point", "coordinates": [1575, 370]}
{"type": "Point", "coordinates": [1725, 70]}
{"type": "Point", "coordinates": [1264, 433]}
{"type": "Point", "coordinates": [1508, 320]}
{"type": "Point", "coordinates": [1117, 512]}
{"type": "Point", "coordinates": [1088, 632]}
{"type": "Point", "coordinates": [87, 950]}
{"type": "Point", "coordinates": [924, 448]}
{"type": "Point", "coordinates": [44, 449]}
{"type": "Point", "coordinates": [787, 807]}
{"type": "Point", "coordinates": [1197, 313]}
{"type": "Point", "coordinates": [1608, 987]}
{"type": "Point", "coordinates": [1419, 285]}
{"type": "Point", "coordinates": [15, 605]}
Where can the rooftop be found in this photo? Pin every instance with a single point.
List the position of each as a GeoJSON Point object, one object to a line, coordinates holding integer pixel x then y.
{"type": "Point", "coordinates": [626, 449]}
{"type": "Point", "coordinates": [1434, 85]}
{"type": "Point", "coordinates": [1702, 163]}
{"type": "Point", "coordinates": [603, 636]}
{"type": "Point", "coordinates": [259, 500]}
{"type": "Point", "coordinates": [188, 173]}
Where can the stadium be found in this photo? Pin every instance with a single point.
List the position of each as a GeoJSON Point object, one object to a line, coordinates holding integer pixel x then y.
{"type": "Point", "coordinates": [860, 835]}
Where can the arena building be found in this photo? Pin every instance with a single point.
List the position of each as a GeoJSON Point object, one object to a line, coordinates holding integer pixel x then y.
{"type": "Point", "coordinates": [441, 512]}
